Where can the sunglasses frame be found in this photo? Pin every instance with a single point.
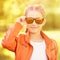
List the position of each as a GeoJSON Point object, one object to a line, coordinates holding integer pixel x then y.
{"type": "Point", "coordinates": [31, 20]}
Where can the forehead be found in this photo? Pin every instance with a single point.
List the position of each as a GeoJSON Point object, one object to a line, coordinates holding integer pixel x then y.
{"type": "Point", "coordinates": [34, 14]}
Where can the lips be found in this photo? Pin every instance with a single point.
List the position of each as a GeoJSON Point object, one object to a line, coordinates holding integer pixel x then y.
{"type": "Point", "coordinates": [34, 27]}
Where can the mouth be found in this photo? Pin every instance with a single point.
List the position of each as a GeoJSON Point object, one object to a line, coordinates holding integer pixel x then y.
{"type": "Point", "coordinates": [33, 27]}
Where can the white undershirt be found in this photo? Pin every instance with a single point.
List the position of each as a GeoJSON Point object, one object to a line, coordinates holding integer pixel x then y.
{"type": "Point", "coordinates": [39, 51]}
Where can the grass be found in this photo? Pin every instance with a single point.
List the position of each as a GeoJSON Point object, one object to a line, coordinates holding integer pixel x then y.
{"type": "Point", "coordinates": [8, 55]}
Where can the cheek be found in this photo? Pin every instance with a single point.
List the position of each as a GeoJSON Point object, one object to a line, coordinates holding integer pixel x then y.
{"type": "Point", "coordinates": [39, 27]}
{"type": "Point", "coordinates": [28, 26]}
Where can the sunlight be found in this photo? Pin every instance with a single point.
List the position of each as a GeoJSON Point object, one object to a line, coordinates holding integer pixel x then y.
{"type": "Point", "coordinates": [53, 34]}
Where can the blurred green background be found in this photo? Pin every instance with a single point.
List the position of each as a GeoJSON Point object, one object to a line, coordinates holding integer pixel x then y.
{"type": "Point", "coordinates": [11, 9]}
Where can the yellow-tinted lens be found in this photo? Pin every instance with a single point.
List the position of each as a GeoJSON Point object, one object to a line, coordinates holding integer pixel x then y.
{"type": "Point", "coordinates": [29, 20]}
{"type": "Point", "coordinates": [39, 21]}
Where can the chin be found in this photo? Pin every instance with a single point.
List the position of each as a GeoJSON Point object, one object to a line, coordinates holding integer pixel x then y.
{"type": "Point", "coordinates": [33, 31]}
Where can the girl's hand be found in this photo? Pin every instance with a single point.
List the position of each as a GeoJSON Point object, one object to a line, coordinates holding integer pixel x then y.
{"type": "Point", "coordinates": [21, 20]}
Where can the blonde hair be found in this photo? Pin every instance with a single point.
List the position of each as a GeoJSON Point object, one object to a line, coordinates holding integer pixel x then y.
{"type": "Point", "coordinates": [36, 7]}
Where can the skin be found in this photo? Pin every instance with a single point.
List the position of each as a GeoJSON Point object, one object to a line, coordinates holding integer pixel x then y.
{"type": "Point", "coordinates": [33, 28]}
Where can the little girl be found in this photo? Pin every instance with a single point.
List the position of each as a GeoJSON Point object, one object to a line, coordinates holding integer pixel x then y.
{"type": "Point", "coordinates": [34, 44]}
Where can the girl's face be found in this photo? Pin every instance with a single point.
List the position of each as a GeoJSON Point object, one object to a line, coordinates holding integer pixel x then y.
{"type": "Point", "coordinates": [38, 21]}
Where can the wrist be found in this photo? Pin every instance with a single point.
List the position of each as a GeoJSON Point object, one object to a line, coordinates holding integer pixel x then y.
{"type": "Point", "coordinates": [19, 24]}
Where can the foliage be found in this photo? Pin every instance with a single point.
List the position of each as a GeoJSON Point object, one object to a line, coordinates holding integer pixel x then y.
{"type": "Point", "coordinates": [11, 9]}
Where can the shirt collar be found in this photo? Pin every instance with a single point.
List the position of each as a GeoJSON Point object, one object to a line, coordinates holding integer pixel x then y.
{"type": "Point", "coordinates": [46, 38]}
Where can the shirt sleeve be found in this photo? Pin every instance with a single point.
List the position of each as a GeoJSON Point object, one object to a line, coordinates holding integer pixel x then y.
{"type": "Point", "coordinates": [9, 40]}
{"type": "Point", "coordinates": [56, 51]}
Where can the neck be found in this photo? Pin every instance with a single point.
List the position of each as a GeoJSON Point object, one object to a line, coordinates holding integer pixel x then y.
{"type": "Point", "coordinates": [36, 37]}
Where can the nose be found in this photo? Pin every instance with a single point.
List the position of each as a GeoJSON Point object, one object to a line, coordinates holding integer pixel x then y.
{"type": "Point", "coordinates": [34, 23]}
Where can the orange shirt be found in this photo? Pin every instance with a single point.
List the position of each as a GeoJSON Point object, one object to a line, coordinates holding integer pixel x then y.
{"type": "Point", "coordinates": [20, 44]}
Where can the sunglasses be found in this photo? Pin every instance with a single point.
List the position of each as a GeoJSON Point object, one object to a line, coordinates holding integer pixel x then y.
{"type": "Point", "coordinates": [30, 20]}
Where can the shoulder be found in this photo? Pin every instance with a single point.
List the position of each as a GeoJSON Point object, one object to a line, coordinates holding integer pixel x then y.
{"type": "Point", "coordinates": [53, 44]}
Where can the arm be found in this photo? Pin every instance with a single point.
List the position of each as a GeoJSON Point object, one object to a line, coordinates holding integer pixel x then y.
{"type": "Point", "coordinates": [56, 52]}
{"type": "Point", "coordinates": [9, 40]}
